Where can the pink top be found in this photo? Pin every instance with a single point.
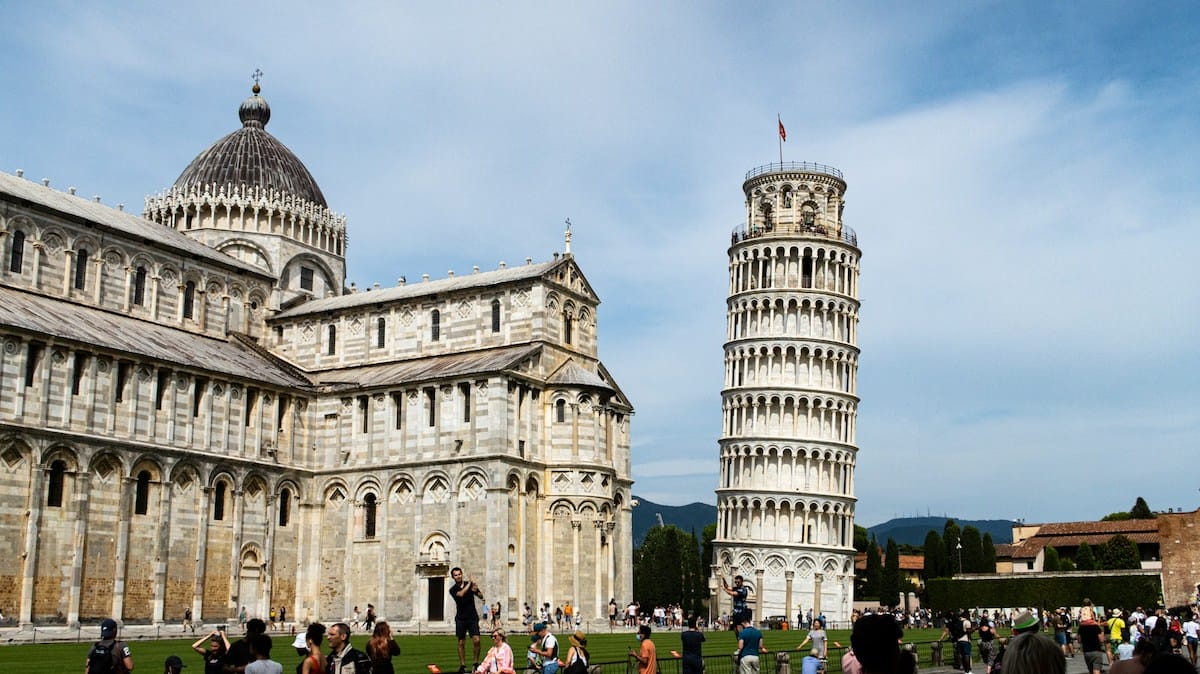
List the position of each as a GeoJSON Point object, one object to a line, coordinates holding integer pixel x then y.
{"type": "Point", "coordinates": [499, 659]}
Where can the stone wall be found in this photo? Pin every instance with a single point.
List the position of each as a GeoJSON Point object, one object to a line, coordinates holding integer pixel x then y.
{"type": "Point", "coordinates": [1179, 548]}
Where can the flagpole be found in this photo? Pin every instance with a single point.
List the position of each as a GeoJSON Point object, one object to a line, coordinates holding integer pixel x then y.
{"type": "Point", "coordinates": [780, 120]}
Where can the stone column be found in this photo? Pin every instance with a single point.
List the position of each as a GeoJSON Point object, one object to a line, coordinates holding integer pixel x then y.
{"type": "Point", "coordinates": [118, 600]}
{"type": "Point", "coordinates": [37, 481]}
{"type": "Point", "coordinates": [816, 607]}
{"type": "Point", "coordinates": [788, 576]}
{"type": "Point", "coordinates": [202, 546]}
{"type": "Point", "coordinates": [164, 552]}
{"type": "Point", "coordinates": [758, 594]}
{"type": "Point", "coordinates": [74, 595]}
{"type": "Point", "coordinates": [235, 575]}
{"type": "Point", "coordinates": [269, 551]}
{"type": "Point", "coordinates": [576, 532]}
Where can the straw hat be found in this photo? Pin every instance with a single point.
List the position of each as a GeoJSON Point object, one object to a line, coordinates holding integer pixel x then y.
{"type": "Point", "coordinates": [579, 639]}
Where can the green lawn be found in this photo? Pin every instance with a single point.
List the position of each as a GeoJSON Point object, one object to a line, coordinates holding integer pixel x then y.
{"type": "Point", "coordinates": [416, 651]}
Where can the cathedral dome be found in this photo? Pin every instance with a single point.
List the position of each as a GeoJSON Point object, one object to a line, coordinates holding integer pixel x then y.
{"type": "Point", "coordinates": [252, 157]}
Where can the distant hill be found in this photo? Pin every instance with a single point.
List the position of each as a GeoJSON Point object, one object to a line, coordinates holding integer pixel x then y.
{"type": "Point", "coordinates": [909, 530]}
{"type": "Point", "coordinates": [912, 530]}
{"type": "Point", "coordinates": [692, 516]}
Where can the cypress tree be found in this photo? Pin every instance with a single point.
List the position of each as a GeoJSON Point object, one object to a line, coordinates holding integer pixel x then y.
{"type": "Point", "coordinates": [972, 550]}
{"type": "Point", "coordinates": [951, 539]}
{"type": "Point", "coordinates": [934, 567]}
{"type": "Point", "coordinates": [1085, 559]}
{"type": "Point", "coordinates": [1049, 559]}
{"type": "Point", "coordinates": [874, 576]}
{"type": "Point", "coordinates": [989, 554]}
{"type": "Point", "coordinates": [889, 590]}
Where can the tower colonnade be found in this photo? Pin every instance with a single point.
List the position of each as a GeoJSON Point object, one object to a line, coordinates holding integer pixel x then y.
{"type": "Point", "coordinates": [785, 502]}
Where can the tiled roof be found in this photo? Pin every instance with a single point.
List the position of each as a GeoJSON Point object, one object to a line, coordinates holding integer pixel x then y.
{"type": "Point", "coordinates": [68, 321]}
{"type": "Point", "coordinates": [410, 291]}
{"type": "Point", "coordinates": [425, 369]}
{"type": "Point", "coordinates": [1074, 534]}
{"type": "Point", "coordinates": [106, 217]}
{"type": "Point", "coordinates": [907, 562]}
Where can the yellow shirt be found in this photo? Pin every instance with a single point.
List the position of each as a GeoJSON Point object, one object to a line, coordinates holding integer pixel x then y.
{"type": "Point", "coordinates": [1115, 626]}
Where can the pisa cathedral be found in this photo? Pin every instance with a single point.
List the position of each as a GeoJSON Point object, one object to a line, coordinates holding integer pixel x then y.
{"type": "Point", "coordinates": [785, 502]}
{"type": "Point", "coordinates": [196, 413]}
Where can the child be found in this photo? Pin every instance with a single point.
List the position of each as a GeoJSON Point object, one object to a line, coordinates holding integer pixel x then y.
{"type": "Point", "coordinates": [260, 647]}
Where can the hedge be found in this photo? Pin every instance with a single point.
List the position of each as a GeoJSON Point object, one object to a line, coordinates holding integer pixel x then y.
{"type": "Point", "coordinates": [1061, 589]}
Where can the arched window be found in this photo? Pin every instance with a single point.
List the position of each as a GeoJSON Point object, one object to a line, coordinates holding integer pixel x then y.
{"type": "Point", "coordinates": [16, 259]}
{"type": "Point", "coordinates": [219, 502]}
{"type": "Point", "coordinates": [189, 299]}
{"type": "Point", "coordinates": [81, 258]}
{"type": "Point", "coordinates": [435, 325]}
{"type": "Point", "coordinates": [332, 341]}
{"type": "Point", "coordinates": [566, 328]}
{"type": "Point", "coordinates": [369, 516]}
{"type": "Point", "coordinates": [141, 499]}
{"type": "Point", "coordinates": [380, 332]}
{"type": "Point", "coordinates": [495, 315]}
{"type": "Point", "coordinates": [139, 286]}
{"type": "Point", "coordinates": [54, 490]}
{"type": "Point", "coordinates": [285, 506]}
{"type": "Point", "coordinates": [560, 411]}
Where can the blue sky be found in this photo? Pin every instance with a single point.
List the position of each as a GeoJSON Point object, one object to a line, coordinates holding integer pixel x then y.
{"type": "Point", "coordinates": [1022, 178]}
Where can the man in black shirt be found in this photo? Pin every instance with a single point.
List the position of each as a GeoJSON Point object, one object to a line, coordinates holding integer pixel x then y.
{"type": "Point", "coordinates": [466, 617]}
{"type": "Point", "coordinates": [1089, 643]}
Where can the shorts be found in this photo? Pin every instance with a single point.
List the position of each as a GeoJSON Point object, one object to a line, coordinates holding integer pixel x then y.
{"type": "Point", "coordinates": [1094, 661]}
{"type": "Point", "coordinates": [738, 617]}
{"type": "Point", "coordinates": [1061, 638]}
{"type": "Point", "coordinates": [466, 626]}
{"type": "Point", "coordinates": [1193, 641]}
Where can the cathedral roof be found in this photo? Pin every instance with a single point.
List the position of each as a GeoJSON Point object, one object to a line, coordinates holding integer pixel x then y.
{"type": "Point", "coordinates": [106, 217]}
{"type": "Point", "coordinates": [68, 321]}
{"type": "Point", "coordinates": [429, 368]}
{"type": "Point", "coordinates": [571, 373]}
{"type": "Point", "coordinates": [404, 292]}
{"type": "Point", "coordinates": [252, 157]}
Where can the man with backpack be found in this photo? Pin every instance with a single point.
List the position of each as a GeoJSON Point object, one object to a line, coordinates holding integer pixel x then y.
{"type": "Point", "coordinates": [958, 630]}
{"type": "Point", "coordinates": [109, 656]}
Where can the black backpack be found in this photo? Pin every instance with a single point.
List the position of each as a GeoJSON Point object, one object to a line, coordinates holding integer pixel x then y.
{"type": "Point", "coordinates": [103, 658]}
{"type": "Point", "coordinates": [955, 625]}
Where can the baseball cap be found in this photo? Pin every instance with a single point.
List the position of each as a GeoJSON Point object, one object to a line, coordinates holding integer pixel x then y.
{"type": "Point", "coordinates": [173, 661]}
{"type": "Point", "coordinates": [108, 628]}
{"type": "Point", "coordinates": [538, 627]}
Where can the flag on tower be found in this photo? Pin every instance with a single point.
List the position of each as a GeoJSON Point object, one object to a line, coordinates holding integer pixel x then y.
{"type": "Point", "coordinates": [782, 131]}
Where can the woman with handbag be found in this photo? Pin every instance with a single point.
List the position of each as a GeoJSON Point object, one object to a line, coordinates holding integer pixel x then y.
{"type": "Point", "coordinates": [577, 656]}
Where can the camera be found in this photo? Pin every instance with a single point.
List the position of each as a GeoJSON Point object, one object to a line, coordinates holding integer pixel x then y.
{"type": "Point", "coordinates": [221, 628]}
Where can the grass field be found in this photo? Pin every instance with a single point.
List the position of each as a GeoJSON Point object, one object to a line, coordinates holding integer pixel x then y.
{"type": "Point", "coordinates": [415, 651]}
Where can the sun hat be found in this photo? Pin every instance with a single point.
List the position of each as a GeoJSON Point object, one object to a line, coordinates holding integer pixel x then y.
{"type": "Point", "coordinates": [1025, 621]}
{"type": "Point", "coordinates": [579, 638]}
{"type": "Point", "coordinates": [301, 641]}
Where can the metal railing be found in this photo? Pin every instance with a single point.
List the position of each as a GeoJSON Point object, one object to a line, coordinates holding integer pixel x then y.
{"type": "Point", "coordinates": [929, 653]}
{"type": "Point", "coordinates": [744, 231]}
{"type": "Point", "coordinates": [807, 167]}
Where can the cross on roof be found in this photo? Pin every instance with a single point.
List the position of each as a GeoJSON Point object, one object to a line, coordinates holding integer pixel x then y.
{"type": "Point", "coordinates": [256, 75]}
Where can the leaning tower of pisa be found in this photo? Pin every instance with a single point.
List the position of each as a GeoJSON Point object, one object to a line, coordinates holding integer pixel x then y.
{"type": "Point", "coordinates": [785, 501]}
